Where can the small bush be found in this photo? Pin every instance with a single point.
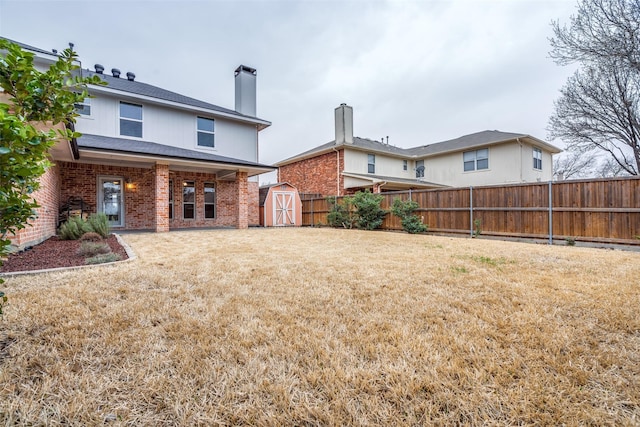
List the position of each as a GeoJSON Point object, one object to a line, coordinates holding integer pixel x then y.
{"type": "Point", "coordinates": [411, 223]}
{"type": "Point", "coordinates": [369, 214]}
{"type": "Point", "coordinates": [570, 241]}
{"type": "Point", "coordinates": [341, 214]}
{"type": "Point", "coordinates": [74, 228]}
{"type": "Point", "coordinates": [99, 223]}
{"type": "Point", "coordinates": [93, 248]}
{"type": "Point", "coordinates": [91, 236]}
{"type": "Point", "coordinates": [101, 259]}
{"type": "Point", "coordinates": [477, 227]}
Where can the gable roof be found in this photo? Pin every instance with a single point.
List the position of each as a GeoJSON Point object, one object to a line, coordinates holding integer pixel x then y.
{"type": "Point", "coordinates": [478, 139]}
{"type": "Point", "coordinates": [137, 88]}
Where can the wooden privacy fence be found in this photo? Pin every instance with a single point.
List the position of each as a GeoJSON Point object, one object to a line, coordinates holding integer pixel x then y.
{"type": "Point", "coordinates": [603, 210]}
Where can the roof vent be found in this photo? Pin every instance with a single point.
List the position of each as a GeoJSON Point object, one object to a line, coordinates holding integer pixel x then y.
{"type": "Point", "coordinates": [115, 72]}
{"type": "Point", "coordinates": [130, 76]}
{"type": "Point", "coordinates": [99, 68]}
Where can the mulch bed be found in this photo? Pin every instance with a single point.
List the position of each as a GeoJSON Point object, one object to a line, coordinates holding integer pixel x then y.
{"type": "Point", "coordinates": [53, 253]}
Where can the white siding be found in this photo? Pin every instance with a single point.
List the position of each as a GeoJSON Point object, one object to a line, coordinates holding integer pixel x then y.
{"type": "Point", "coordinates": [357, 162]}
{"type": "Point", "coordinates": [167, 126]}
{"type": "Point", "coordinates": [508, 163]}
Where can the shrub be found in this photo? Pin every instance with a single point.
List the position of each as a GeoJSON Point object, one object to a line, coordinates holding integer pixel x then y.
{"type": "Point", "coordinates": [362, 210]}
{"type": "Point", "coordinates": [101, 259]}
{"type": "Point", "coordinates": [411, 223]}
{"type": "Point", "coordinates": [93, 248]}
{"type": "Point", "coordinates": [91, 236]}
{"type": "Point", "coordinates": [369, 214]}
{"type": "Point", "coordinates": [74, 228]}
{"type": "Point", "coordinates": [99, 223]}
{"type": "Point", "coordinates": [341, 214]}
{"type": "Point", "coordinates": [570, 241]}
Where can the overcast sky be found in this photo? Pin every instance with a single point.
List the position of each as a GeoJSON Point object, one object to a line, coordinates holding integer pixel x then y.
{"type": "Point", "coordinates": [416, 71]}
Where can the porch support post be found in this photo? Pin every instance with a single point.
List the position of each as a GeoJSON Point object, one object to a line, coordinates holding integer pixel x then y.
{"type": "Point", "coordinates": [243, 200]}
{"type": "Point", "coordinates": [162, 197]}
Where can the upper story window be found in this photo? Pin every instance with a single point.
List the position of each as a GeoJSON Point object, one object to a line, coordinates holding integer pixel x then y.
{"type": "Point", "coordinates": [476, 160]}
{"type": "Point", "coordinates": [419, 168]}
{"type": "Point", "coordinates": [206, 132]}
{"type": "Point", "coordinates": [371, 163]}
{"type": "Point", "coordinates": [130, 119]}
{"type": "Point", "coordinates": [404, 165]}
{"type": "Point", "coordinates": [84, 108]}
{"type": "Point", "coordinates": [537, 158]}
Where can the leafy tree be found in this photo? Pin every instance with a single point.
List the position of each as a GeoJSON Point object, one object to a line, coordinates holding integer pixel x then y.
{"type": "Point", "coordinates": [599, 107]}
{"type": "Point", "coordinates": [405, 210]}
{"type": "Point", "coordinates": [33, 100]}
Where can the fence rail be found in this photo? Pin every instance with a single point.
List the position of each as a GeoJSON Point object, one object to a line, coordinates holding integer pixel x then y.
{"type": "Point", "coordinates": [603, 210]}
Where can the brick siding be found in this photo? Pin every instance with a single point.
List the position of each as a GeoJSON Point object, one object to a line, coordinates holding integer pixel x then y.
{"type": "Point", "coordinates": [44, 226]}
{"type": "Point", "coordinates": [143, 199]}
{"type": "Point", "coordinates": [315, 175]}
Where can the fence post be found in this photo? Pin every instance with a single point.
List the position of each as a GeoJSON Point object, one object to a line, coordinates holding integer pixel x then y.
{"type": "Point", "coordinates": [471, 210]}
{"type": "Point", "coordinates": [550, 213]}
{"type": "Point", "coordinates": [409, 194]}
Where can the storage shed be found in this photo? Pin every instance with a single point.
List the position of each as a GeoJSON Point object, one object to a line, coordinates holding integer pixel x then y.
{"type": "Point", "coordinates": [280, 205]}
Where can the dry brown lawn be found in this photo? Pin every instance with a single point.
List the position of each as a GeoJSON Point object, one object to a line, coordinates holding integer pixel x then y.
{"type": "Point", "coordinates": [326, 327]}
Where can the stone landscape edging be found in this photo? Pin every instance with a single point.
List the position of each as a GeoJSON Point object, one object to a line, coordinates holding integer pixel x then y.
{"type": "Point", "coordinates": [131, 256]}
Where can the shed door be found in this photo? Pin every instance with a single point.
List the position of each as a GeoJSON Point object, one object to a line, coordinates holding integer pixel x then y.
{"type": "Point", "coordinates": [283, 208]}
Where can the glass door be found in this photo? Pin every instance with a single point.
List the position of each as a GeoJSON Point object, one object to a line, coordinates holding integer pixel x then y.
{"type": "Point", "coordinates": [110, 199]}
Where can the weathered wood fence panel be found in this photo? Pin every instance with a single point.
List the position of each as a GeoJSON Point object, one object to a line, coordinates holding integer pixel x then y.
{"type": "Point", "coordinates": [603, 210]}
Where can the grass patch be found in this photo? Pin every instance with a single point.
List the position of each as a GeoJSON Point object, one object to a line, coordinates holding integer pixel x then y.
{"type": "Point", "coordinates": [304, 327]}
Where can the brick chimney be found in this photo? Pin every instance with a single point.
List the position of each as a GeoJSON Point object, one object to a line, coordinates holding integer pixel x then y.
{"type": "Point", "coordinates": [246, 90]}
{"type": "Point", "coordinates": [344, 124]}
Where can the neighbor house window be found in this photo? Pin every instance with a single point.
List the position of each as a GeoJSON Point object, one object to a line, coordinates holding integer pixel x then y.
{"type": "Point", "coordinates": [130, 119]}
{"type": "Point", "coordinates": [371, 163]}
{"type": "Point", "coordinates": [84, 108]}
{"type": "Point", "coordinates": [476, 160]}
{"type": "Point", "coordinates": [537, 159]}
{"type": "Point", "coordinates": [170, 199]}
{"type": "Point", "coordinates": [419, 168]}
{"type": "Point", "coordinates": [209, 200]}
{"type": "Point", "coordinates": [188, 200]}
{"type": "Point", "coordinates": [404, 165]}
{"type": "Point", "coordinates": [206, 135]}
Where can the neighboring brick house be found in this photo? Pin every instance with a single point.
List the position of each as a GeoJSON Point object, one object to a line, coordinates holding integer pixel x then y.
{"type": "Point", "coordinates": [349, 163]}
{"type": "Point", "coordinates": [152, 159]}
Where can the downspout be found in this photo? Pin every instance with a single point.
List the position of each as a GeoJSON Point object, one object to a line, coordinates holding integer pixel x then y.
{"type": "Point", "coordinates": [380, 186]}
{"type": "Point", "coordinates": [520, 143]}
{"type": "Point", "coordinates": [337, 170]}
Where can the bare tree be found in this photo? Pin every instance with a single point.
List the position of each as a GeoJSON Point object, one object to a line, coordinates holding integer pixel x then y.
{"type": "Point", "coordinates": [601, 29]}
{"type": "Point", "coordinates": [573, 164]}
{"type": "Point", "coordinates": [599, 107]}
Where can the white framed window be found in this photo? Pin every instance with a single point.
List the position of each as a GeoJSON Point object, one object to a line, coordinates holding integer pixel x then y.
{"type": "Point", "coordinates": [209, 200]}
{"type": "Point", "coordinates": [404, 165]}
{"type": "Point", "coordinates": [476, 160]}
{"type": "Point", "coordinates": [170, 199]}
{"type": "Point", "coordinates": [371, 163]}
{"type": "Point", "coordinates": [537, 158]}
{"type": "Point", "coordinates": [84, 108]}
{"type": "Point", "coordinates": [419, 168]}
{"type": "Point", "coordinates": [188, 200]}
{"type": "Point", "coordinates": [206, 132]}
{"type": "Point", "coordinates": [130, 119]}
